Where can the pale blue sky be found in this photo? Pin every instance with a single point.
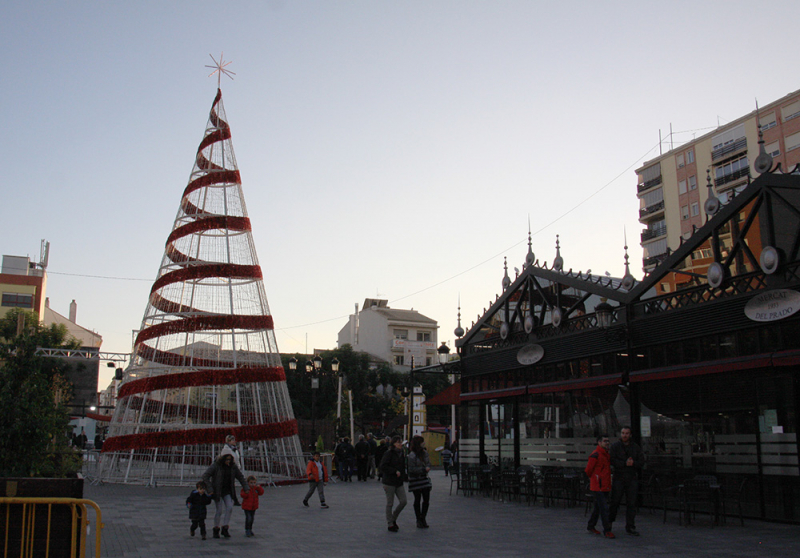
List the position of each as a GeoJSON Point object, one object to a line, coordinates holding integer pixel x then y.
{"type": "Point", "coordinates": [384, 147]}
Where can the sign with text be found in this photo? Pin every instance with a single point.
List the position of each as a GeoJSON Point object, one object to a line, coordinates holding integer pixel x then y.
{"type": "Point", "coordinates": [773, 305]}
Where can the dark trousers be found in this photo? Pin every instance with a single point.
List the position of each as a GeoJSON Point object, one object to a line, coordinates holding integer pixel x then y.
{"type": "Point", "coordinates": [446, 469]}
{"type": "Point", "coordinates": [347, 469]}
{"type": "Point", "coordinates": [199, 523]}
{"type": "Point", "coordinates": [424, 495]}
{"type": "Point", "coordinates": [249, 517]}
{"type": "Point", "coordinates": [629, 489]}
{"type": "Point", "coordinates": [600, 511]}
{"type": "Point", "coordinates": [361, 468]}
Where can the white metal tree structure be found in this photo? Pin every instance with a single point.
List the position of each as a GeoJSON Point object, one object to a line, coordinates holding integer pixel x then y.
{"type": "Point", "coordinates": [205, 362]}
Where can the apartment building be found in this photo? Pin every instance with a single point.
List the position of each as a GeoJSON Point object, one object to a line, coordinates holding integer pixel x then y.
{"type": "Point", "coordinates": [391, 335]}
{"type": "Point", "coordinates": [673, 187]}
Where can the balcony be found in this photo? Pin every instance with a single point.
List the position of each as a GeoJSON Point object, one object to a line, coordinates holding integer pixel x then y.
{"type": "Point", "coordinates": [649, 234]}
{"type": "Point", "coordinates": [651, 210]}
{"type": "Point", "coordinates": [738, 145]}
{"type": "Point", "coordinates": [649, 184]}
{"type": "Point", "coordinates": [732, 177]}
{"type": "Point", "coordinates": [653, 261]}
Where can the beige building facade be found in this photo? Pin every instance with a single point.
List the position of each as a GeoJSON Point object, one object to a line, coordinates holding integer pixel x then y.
{"type": "Point", "coordinates": [673, 187]}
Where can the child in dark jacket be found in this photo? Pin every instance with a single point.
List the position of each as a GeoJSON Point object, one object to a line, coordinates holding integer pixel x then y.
{"type": "Point", "coordinates": [197, 502]}
{"type": "Point", "coordinates": [250, 504]}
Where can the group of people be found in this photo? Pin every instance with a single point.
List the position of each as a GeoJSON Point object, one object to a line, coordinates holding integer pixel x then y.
{"type": "Point", "coordinates": [625, 459]}
{"type": "Point", "coordinates": [362, 457]}
{"type": "Point", "coordinates": [219, 486]}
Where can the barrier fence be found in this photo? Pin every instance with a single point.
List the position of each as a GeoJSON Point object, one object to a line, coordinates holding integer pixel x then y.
{"type": "Point", "coordinates": [48, 527]}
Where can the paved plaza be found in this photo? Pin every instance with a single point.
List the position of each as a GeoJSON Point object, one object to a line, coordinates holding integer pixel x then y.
{"type": "Point", "coordinates": [153, 522]}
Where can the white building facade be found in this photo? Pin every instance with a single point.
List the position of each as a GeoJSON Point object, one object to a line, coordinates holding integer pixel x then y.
{"type": "Point", "coordinates": [391, 335]}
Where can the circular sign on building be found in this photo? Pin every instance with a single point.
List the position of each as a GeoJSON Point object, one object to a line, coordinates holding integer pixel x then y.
{"type": "Point", "coordinates": [773, 305]}
{"type": "Point", "coordinates": [530, 354]}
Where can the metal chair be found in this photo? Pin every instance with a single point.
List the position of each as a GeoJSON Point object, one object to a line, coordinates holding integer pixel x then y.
{"type": "Point", "coordinates": [732, 492]}
{"type": "Point", "coordinates": [696, 494]}
{"type": "Point", "coordinates": [454, 479]}
{"type": "Point", "coordinates": [554, 484]}
{"type": "Point", "coordinates": [511, 485]}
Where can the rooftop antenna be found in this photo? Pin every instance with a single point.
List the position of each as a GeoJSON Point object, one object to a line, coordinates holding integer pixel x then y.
{"type": "Point", "coordinates": [44, 254]}
{"type": "Point", "coordinates": [219, 69]}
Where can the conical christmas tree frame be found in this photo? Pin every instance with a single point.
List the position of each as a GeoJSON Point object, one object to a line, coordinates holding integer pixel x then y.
{"type": "Point", "coordinates": [205, 362]}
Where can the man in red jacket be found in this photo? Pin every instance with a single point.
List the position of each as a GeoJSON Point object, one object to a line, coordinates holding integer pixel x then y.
{"type": "Point", "coordinates": [598, 469]}
{"type": "Point", "coordinates": [317, 475]}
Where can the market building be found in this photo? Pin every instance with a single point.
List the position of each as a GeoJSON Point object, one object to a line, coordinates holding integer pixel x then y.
{"type": "Point", "coordinates": [707, 376]}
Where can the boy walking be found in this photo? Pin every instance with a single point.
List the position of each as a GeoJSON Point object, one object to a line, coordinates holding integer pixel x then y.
{"type": "Point", "coordinates": [250, 504]}
{"type": "Point", "coordinates": [317, 477]}
{"type": "Point", "coordinates": [197, 502]}
{"type": "Point", "coordinates": [598, 469]}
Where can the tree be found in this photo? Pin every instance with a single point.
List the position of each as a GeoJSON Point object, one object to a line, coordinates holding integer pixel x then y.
{"type": "Point", "coordinates": [33, 396]}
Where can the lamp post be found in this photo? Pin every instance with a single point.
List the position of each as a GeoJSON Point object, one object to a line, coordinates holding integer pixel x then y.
{"type": "Point", "coordinates": [314, 370]}
{"type": "Point", "coordinates": [444, 356]}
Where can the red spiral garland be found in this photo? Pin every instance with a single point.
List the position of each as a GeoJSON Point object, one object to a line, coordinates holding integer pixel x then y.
{"type": "Point", "coordinates": [197, 436]}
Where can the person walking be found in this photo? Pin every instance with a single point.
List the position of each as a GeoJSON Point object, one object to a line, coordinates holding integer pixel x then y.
{"type": "Point", "coordinates": [221, 479]}
{"type": "Point", "coordinates": [348, 459]}
{"type": "Point", "coordinates": [419, 483]}
{"type": "Point", "coordinates": [317, 477]}
{"type": "Point", "coordinates": [393, 471]}
{"type": "Point", "coordinates": [362, 457]}
{"type": "Point", "coordinates": [598, 469]}
{"type": "Point", "coordinates": [373, 447]}
{"type": "Point", "coordinates": [230, 448]}
{"type": "Point", "coordinates": [383, 447]}
{"type": "Point", "coordinates": [250, 504]}
{"type": "Point", "coordinates": [447, 457]}
{"type": "Point", "coordinates": [627, 460]}
{"type": "Point", "coordinates": [197, 502]}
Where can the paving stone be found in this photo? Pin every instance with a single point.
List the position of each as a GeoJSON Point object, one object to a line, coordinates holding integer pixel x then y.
{"type": "Point", "coordinates": [150, 522]}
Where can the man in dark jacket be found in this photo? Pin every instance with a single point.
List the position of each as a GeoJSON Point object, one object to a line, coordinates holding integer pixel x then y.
{"type": "Point", "coordinates": [348, 459]}
{"type": "Point", "coordinates": [627, 459]}
{"type": "Point", "coordinates": [362, 457]}
{"type": "Point", "coordinates": [393, 470]}
{"type": "Point", "coordinates": [383, 447]}
{"type": "Point", "coordinates": [598, 469]}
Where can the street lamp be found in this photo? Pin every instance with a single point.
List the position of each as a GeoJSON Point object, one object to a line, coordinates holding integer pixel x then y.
{"type": "Point", "coordinates": [314, 369]}
{"type": "Point", "coordinates": [444, 356]}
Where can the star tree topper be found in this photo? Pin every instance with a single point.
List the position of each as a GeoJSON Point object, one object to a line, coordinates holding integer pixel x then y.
{"type": "Point", "coordinates": [219, 69]}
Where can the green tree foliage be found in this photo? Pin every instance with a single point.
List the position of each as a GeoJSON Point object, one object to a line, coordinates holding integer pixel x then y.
{"type": "Point", "coordinates": [368, 401]}
{"type": "Point", "coordinates": [33, 393]}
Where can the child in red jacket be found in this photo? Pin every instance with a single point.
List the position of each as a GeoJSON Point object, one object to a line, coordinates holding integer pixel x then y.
{"type": "Point", "coordinates": [250, 504]}
{"type": "Point", "coordinates": [598, 469]}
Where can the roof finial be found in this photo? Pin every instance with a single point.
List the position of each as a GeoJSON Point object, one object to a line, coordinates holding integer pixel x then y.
{"type": "Point", "coordinates": [627, 279]}
{"type": "Point", "coordinates": [506, 278]}
{"type": "Point", "coordinates": [558, 262]}
{"type": "Point", "coordinates": [219, 69]}
{"type": "Point", "coordinates": [529, 257]}
{"type": "Point", "coordinates": [459, 331]}
{"type": "Point", "coordinates": [712, 203]}
{"type": "Point", "coordinates": [764, 160]}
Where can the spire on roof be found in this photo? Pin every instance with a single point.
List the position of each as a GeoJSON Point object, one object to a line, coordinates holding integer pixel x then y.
{"type": "Point", "coordinates": [459, 331]}
{"type": "Point", "coordinates": [558, 262]}
{"type": "Point", "coordinates": [529, 257]}
{"type": "Point", "coordinates": [506, 278]}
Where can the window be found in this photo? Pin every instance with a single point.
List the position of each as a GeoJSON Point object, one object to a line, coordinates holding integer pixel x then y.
{"type": "Point", "coordinates": [681, 164]}
{"type": "Point", "coordinates": [767, 121]}
{"type": "Point", "coordinates": [690, 156]}
{"type": "Point", "coordinates": [792, 142]}
{"type": "Point", "coordinates": [773, 149]}
{"type": "Point", "coordinates": [695, 209]}
{"type": "Point", "coordinates": [401, 334]}
{"type": "Point", "coordinates": [791, 111]}
{"type": "Point", "coordinates": [693, 182]}
{"type": "Point", "coordinates": [16, 300]}
{"type": "Point", "coordinates": [684, 212]}
{"type": "Point", "coordinates": [728, 137]}
{"type": "Point", "coordinates": [398, 360]}
{"type": "Point", "coordinates": [423, 336]}
{"type": "Point", "coordinates": [651, 198]}
{"type": "Point", "coordinates": [735, 169]}
{"type": "Point", "coordinates": [682, 187]}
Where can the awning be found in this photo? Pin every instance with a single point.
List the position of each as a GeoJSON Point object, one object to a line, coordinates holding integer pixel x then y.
{"type": "Point", "coordinates": [95, 416]}
{"type": "Point", "coordinates": [712, 367]}
{"type": "Point", "coordinates": [449, 396]}
{"type": "Point", "coordinates": [495, 394]}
